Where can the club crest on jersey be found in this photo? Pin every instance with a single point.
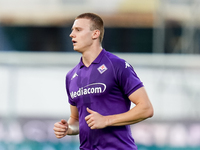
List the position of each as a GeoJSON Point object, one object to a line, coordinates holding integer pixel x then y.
{"type": "Point", "coordinates": [102, 68]}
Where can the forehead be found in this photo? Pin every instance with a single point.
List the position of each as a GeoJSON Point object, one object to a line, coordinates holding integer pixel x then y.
{"type": "Point", "coordinates": [81, 23]}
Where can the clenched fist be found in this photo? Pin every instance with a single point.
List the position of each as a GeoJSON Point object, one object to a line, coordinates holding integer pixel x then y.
{"type": "Point", "coordinates": [61, 128]}
{"type": "Point", "coordinates": [96, 120]}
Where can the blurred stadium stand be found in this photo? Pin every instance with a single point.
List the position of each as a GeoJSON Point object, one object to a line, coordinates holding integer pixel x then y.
{"type": "Point", "coordinates": [46, 25]}
{"type": "Point", "coordinates": [62, 12]}
{"type": "Point", "coordinates": [177, 27]}
{"type": "Point", "coordinates": [159, 38]}
{"type": "Point", "coordinates": [33, 98]}
{"type": "Point", "coordinates": [156, 26]}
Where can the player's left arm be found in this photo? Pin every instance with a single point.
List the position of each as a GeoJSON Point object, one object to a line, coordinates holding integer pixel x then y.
{"type": "Point", "coordinates": [143, 109]}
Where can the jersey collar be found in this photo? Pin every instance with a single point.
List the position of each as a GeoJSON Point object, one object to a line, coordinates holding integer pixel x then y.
{"type": "Point", "coordinates": [96, 61]}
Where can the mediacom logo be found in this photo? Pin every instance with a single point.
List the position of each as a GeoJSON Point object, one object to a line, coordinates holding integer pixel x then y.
{"type": "Point", "coordinates": [89, 89]}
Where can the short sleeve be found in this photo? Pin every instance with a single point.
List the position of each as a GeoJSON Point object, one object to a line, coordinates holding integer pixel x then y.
{"type": "Point", "coordinates": [68, 94]}
{"type": "Point", "coordinates": [128, 80]}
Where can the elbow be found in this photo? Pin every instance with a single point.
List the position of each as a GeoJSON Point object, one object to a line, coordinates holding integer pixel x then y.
{"type": "Point", "coordinates": [150, 112]}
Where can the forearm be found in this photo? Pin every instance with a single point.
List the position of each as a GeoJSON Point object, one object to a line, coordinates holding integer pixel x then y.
{"type": "Point", "coordinates": [141, 111]}
{"type": "Point", "coordinates": [73, 127]}
{"type": "Point", "coordinates": [135, 115]}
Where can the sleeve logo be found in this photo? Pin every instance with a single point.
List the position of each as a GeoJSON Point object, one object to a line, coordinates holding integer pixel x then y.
{"type": "Point", "coordinates": [127, 65]}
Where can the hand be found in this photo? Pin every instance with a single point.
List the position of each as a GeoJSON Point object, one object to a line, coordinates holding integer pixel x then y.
{"type": "Point", "coordinates": [61, 128]}
{"type": "Point", "coordinates": [95, 120]}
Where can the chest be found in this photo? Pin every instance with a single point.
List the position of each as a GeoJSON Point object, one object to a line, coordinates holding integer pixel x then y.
{"type": "Point", "coordinates": [96, 80]}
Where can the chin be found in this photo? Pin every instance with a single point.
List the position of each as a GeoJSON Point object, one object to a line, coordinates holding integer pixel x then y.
{"type": "Point", "coordinates": [77, 50]}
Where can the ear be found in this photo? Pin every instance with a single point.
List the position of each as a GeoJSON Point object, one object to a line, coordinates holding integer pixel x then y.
{"type": "Point", "coordinates": [96, 34]}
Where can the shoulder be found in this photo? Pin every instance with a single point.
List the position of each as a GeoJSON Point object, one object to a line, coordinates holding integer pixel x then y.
{"type": "Point", "coordinates": [72, 72]}
{"type": "Point", "coordinates": [121, 67]}
{"type": "Point", "coordinates": [114, 58]}
{"type": "Point", "coordinates": [117, 62]}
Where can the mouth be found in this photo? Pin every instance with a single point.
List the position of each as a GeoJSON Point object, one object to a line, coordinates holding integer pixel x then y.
{"type": "Point", "coordinates": [74, 42]}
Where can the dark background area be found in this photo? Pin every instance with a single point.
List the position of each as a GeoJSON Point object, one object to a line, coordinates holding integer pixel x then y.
{"type": "Point", "coordinates": [23, 38]}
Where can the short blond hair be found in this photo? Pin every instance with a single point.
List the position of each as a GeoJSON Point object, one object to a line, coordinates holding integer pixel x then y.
{"type": "Point", "coordinates": [97, 23]}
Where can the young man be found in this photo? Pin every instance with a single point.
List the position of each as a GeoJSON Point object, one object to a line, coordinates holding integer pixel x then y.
{"type": "Point", "coordinates": [101, 89]}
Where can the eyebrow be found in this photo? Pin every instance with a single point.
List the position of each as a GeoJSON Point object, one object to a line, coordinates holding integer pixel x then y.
{"type": "Point", "coordinates": [75, 28]}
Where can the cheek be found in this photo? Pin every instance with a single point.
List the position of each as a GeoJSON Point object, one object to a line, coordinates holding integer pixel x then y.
{"type": "Point", "coordinates": [89, 37]}
{"type": "Point", "coordinates": [85, 38]}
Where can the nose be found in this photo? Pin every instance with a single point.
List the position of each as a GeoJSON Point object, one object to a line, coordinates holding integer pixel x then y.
{"type": "Point", "coordinates": [72, 35]}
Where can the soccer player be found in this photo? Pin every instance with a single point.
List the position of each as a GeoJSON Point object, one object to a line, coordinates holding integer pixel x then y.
{"type": "Point", "coordinates": [101, 88]}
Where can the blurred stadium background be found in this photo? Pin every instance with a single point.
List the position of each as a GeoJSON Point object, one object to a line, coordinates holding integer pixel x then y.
{"type": "Point", "coordinates": [160, 38]}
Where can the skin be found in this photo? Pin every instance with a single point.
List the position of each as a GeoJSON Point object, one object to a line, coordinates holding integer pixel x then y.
{"type": "Point", "coordinates": [87, 43]}
{"type": "Point", "coordinates": [70, 127]}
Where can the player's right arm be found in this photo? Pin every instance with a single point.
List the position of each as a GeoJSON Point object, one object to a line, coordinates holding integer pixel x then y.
{"type": "Point", "coordinates": [70, 127]}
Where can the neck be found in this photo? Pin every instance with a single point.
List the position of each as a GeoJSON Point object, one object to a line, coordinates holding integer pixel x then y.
{"type": "Point", "coordinates": [90, 55]}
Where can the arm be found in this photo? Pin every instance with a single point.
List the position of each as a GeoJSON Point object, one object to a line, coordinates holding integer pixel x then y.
{"type": "Point", "coordinates": [141, 111]}
{"type": "Point", "coordinates": [71, 127]}
{"type": "Point", "coordinates": [73, 121]}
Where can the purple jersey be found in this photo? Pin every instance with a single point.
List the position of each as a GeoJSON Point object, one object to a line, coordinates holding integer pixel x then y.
{"type": "Point", "coordinates": [104, 87]}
